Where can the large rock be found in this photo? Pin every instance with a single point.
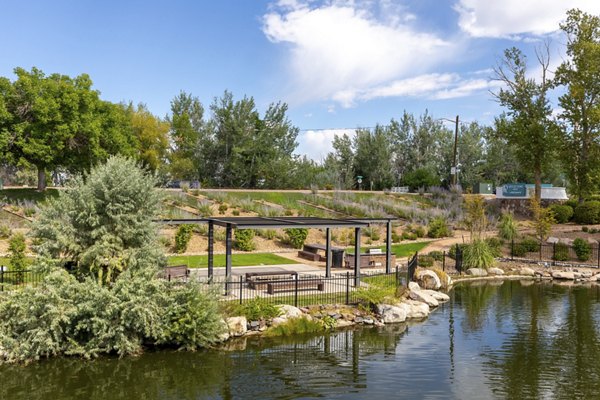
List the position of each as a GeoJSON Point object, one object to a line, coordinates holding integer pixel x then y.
{"type": "Point", "coordinates": [423, 297]}
{"type": "Point", "coordinates": [428, 279]}
{"type": "Point", "coordinates": [552, 240]}
{"type": "Point", "coordinates": [391, 314]}
{"type": "Point", "coordinates": [237, 326]}
{"type": "Point", "coordinates": [495, 271]}
{"type": "Point", "coordinates": [526, 271]}
{"type": "Point", "coordinates": [343, 323]}
{"type": "Point", "coordinates": [567, 275]}
{"type": "Point", "coordinates": [439, 296]}
{"type": "Point", "coordinates": [567, 241]}
{"type": "Point", "coordinates": [287, 311]}
{"type": "Point", "coordinates": [477, 272]}
{"type": "Point", "coordinates": [222, 337]}
{"type": "Point", "coordinates": [415, 309]}
{"type": "Point", "coordinates": [413, 286]}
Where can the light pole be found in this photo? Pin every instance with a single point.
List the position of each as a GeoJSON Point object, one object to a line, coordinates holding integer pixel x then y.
{"type": "Point", "coordinates": [454, 168]}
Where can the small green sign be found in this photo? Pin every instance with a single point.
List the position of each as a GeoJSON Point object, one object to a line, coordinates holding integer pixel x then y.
{"type": "Point", "coordinates": [514, 190]}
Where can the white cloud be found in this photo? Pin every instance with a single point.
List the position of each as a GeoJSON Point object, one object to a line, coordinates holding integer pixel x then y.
{"type": "Point", "coordinates": [342, 49]}
{"type": "Point", "coordinates": [316, 144]}
{"type": "Point", "coordinates": [511, 18]}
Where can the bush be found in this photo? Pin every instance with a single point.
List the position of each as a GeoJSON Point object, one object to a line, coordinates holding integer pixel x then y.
{"type": "Point", "coordinates": [183, 237]}
{"type": "Point", "coordinates": [395, 237]}
{"type": "Point", "coordinates": [530, 244]}
{"type": "Point", "coordinates": [409, 236]}
{"type": "Point", "coordinates": [297, 326]}
{"type": "Point", "coordinates": [222, 208]}
{"type": "Point", "coordinates": [495, 245]}
{"type": "Point", "coordinates": [561, 252]}
{"type": "Point", "coordinates": [587, 213]}
{"type": "Point", "coordinates": [436, 255]}
{"type": "Point", "coordinates": [438, 228]}
{"type": "Point", "coordinates": [572, 203]}
{"type": "Point", "coordinates": [452, 251]}
{"type": "Point", "coordinates": [5, 232]}
{"type": "Point", "coordinates": [585, 229]}
{"type": "Point", "coordinates": [244, 239]}
{"type": "Point", "coordinates": [425, 261]}
{"type": "Point", "coordinates": [296, 237]}
{"type": "Point", "coordinates": [16, 248]}
{"type": "Point", "coordinates": [257, 309]}
{"type": "Point", "coordinates": [420, 178]}
{"type": "Point", "coordinates": [507, 227]}
{"type": "Point", "coordinates": [562, 213]}
{"type": "Point", "coordinates": [478, 255]}
{"type": "Point", "coordinates": [235, 212]}
{"type": "Point", "coordinates": [582, 249]}
{"type": "Point", "coordinates": [373, 295]}
{"type": "Point", "coordinates": [419, 231]}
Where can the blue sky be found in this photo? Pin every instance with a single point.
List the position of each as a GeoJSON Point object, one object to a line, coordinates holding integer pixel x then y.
{"type": "Point", "coordinates": [338, 63]}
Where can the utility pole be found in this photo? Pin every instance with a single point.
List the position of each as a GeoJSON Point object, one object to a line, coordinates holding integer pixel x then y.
{"type": "Point", "coordinates": [454, 166]}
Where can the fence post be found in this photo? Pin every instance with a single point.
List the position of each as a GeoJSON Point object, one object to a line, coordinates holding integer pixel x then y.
{"type": "Point", "coordinates": [553, 253]}
{"type": "Point", "coordinates": [1, 279]}
{"type": "Point", "coordinates": [598, 251]}
{"type": "Point", "coordinates": [397, 275]}
{"type": "Point", "coordinates": [444, 261]}
{"type": "Point", "coordinates": [241, 286]}
{"type": "Point", "coordinates": [296, 292]}
{"type": "Point", "coordinates": [347, 288]}
{"type": "Point", "coordinates": [512, 249]}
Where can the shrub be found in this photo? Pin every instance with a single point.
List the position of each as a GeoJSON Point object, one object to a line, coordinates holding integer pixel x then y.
{"type": "Point", "coordinates": [585, 229]}
{"type": "Point", "coordinates": [183, 237]}
{"type": "Point", "coordinates": [419, 231]}
{"type": "Point", "coordinates": [244, 239]}
{"type": "Point", "coordinates": [562, 213]}
{"type": "Point", "coordinates": [373, 295]}
{"type": "Point", "coordinates": [235, 212]}
{"type": "Point", "coordinates": [437, 228]}
{"type": "Point", "coordinates": [5, 232]}
{"type": "Point", "coordinates": [29, 211]}
{"type": "Point", "coordinates": [257, 309]}
{"type": "Point", "coordinates": [222, 208]}
{"type": "Point", "coordinates": [205, 209]}
{"type": "Point", "coordinates": [495, 245]}
{"type": "Point", "coordinates": [268, 234]}
{"type": "Point", "coordinates": [452, 251]}
{"type": "Point", "coordinates": [288, 212]}
{"type": "Point", "coordinates": [444, 278]}
{"type": "Point", "coordinates": [507, 227]}
{"type": "Point", "coordinates": [296, 237]}
{"type": "Point", "coordinates": [572, 203]}
{"type": "Point", "coordinates": [561, 252]}
{"type": "Point", "coordinates": [396, 238]}
{"type": "Point", "coordinates": [530, 244]}
{"type": "Point", "coordinates": [587, 213]}
{"type": "Point", "coordinates": [436, 255]}
{"type": "Point", "coordinates": [16, 248]}
{"type": "Point", "coordinates": [478, 255]}
{"type": "Point", "coordinates": [425, 261]}
{"type": "Point", "coordinates": [420, 178]}
{"type": "Point", "coordinates": [582, 249]}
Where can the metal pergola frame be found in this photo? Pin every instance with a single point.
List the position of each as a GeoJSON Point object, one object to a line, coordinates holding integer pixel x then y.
{"type": "Point", "coordinates": [230, 223]}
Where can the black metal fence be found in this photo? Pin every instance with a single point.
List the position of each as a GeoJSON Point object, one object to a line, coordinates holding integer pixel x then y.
{"type": "Point", "coordinates": [10, 280]}
{"type": "Point", "coordinates": [301, 290]}
{"type": "Point", "coordinates": [413, 263]}
{"type": "Point", "coordinates": [555, 253]}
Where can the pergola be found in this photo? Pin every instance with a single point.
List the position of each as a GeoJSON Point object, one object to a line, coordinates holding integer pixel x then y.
{"type": "Point", "coordinates": [230, 223]}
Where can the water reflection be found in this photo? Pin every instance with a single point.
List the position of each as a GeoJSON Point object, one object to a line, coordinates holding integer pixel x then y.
{"type": "Point", "coordinates": [513, 340]}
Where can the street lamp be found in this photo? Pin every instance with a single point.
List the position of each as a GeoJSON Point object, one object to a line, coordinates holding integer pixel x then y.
{"type": "Point", "coordinates": [454, 168]}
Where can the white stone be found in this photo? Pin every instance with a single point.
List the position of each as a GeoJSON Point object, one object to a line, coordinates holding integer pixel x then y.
{"type": "Point", "coordinates": [563, 275]}
{"type": "Point", "coordinates": [278, 321]}
{"type": "Point", "coordinates": [391, 314]}
{"type": "Point", "coordinates": [439, 296]}
{"type": "Point", "coordinates": [586, 274]}
{"type": "Point", "coordinates": [287, 311]}
{"type": "Point", "coordinates": [413, 286]}
{"type": "Point", "coordinates": [237, 326]}
{"type": "Point", "coordinates": [495, 271]}
{"type": "Point", "coordinates": [223, 336]}
{"type": "Point", "coordinates": [566, 241]}
{"type": "Point", "coordinates": [343, 323]}
{"type": "Point", "coordinates": [423, 297]}
{"type": "Point", "coordinates": [428, 279]}
{"type": "Point", "coordinates": [415, 309]}
{"type": "Point", "coordinates": [526, 271]}
{"type": "Point", "coordinates": [552, 240]}
{"type": "Point", "coordinates": [476, 272]}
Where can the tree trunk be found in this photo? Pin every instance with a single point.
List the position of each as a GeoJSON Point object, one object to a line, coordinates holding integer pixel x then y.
{"type": "Point", "coordinates": [41, 186]}
{"type": "Point", "coordinates": [538, 183]}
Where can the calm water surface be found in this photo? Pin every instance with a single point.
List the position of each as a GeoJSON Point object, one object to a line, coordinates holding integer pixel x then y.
{"type": "Point", "coordinates": [515, 340]}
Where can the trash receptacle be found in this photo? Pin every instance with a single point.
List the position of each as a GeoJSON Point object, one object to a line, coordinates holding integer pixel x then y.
{"type": "Point", "coordinates": [337, 258]}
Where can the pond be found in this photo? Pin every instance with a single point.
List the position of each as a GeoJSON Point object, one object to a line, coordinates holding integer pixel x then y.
{"type": "Point", "coordinates": [515, 340]}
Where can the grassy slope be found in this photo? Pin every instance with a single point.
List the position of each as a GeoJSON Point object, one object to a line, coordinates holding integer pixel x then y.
{"type": "Point", "coordinates": [14, 195]}
{"type": "Point", "coordinates": [237, 260]}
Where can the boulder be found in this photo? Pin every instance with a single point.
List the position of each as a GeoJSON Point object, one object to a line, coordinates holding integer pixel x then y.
{"type": "Point", "coordinates": [439, 296]}
{"type": "Point", "coordinates": [586, 274]}
{"type": "Point", "coordinates": [391, 314]}
{"type": "Point", "coordinates": [222, 337]}
{"type": "Point", "coordinates": [287, 311]}
{"type": "Point", "coordinates": [552, 240]}
{"type": "Point", "coordinates": [423, 297]}
{"type": "Point", "coordinates": [413, 286]}
{"type": "Point", "coordinates": [278, 321]}
{"type": "Point", "coordinates": [237, 326]}
{"type": "Point", "coordinates": [567, 241]}
{"type": "Point", "coordinates": [415, 309]}
{"type": "Point", "coordinates": [495, 271]}
{"type": "Point", "coordinates": [428, 279]}
{"type": "Point", "coordinates": [342, 323]}
{"type": "Point", "coordinates": [563, 275]}
{"type": "Point", "coordinates": [592, 241]}
{"type": "Point", "coordinates": [526, 271]}
{"type": "Point", "coordinates": [477, 272]}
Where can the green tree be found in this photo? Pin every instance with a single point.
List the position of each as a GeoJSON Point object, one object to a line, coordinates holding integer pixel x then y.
{"type": "Point", "coordinates": [344, 159]}
{"type": "Point", "coordinates": [103, 221]}
{"type": "Point", "coordinates": [372, 159]}
{"type": "Point", "coordinates": [530, 129]}
{"type": "Point", "coordinates": [57, 121]}
{"type": "Point", "coordinates": [581, 102]}
{"type": "Point", "coordinates": [151, 135]}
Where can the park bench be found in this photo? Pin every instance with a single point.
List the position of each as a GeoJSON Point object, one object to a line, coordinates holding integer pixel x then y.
{"type": "Point", "coordinates": [259, 280]}
{"type": "Point", "coordinates": [368, 260]}
{"type": "Point", "coordinates": [289, 286]}
{"type": "Point", "coordinates": [312, 252]}
{"type": "Point", "coordinates": [176, 271]}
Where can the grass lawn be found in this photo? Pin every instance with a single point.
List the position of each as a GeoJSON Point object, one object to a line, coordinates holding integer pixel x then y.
{"type": "Point", "coordinates": [400, 250]}
{"type": "Point", "coordinates": [14, 195]}
{"type": "Point", "coordinates": [237, 260]}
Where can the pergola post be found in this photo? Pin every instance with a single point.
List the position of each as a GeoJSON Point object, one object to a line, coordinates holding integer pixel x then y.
{"type": "Point", "coordinates": [211, 239]}
{"type": "Point", "coordinates": [357, 257]}
{"type": "Point", "coordinates": [328, 253]}
{"type": "Point", "coordinates": [388, 248]}
{"type": "Point", "coordinates": [228, 244]}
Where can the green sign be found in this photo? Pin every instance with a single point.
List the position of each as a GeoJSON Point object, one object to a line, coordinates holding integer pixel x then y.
{"type": "Point", "coordinates": [514, 190]}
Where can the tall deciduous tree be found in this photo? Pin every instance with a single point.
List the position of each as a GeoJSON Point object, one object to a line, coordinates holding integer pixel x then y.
{"type": "Point", "coordinates": [151, 135]}
{"type": "Point", "coordinates": [372, 158]}
{"type": "Point", "coordinates": [581, 102]}
{"type": "Point", "coordinates": [531, 129]}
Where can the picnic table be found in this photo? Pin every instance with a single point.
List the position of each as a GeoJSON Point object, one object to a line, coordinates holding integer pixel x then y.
{"type": "Point", "coordinates": [259, 280]}
{"type": "Point", "coordinates": [312, 252]}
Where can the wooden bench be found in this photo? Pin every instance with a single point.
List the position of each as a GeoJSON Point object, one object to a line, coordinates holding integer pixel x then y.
{"type": "Point", "coordinates": [176, 271]}
{"type": "Point", "coordinates": [308, 255]}
{"type": "Point", "coordinates": [290, 286]}
{"type": "Point", "coordinates": [312, 252]}
{"type": "Point", "coordinates": [368, 260]}
{"type": "Point", "coordinates": [259, 280]}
